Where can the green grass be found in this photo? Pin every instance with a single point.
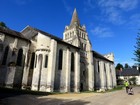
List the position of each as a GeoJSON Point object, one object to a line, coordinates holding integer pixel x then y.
{"type": "Point", "coordinates": [116, 88]}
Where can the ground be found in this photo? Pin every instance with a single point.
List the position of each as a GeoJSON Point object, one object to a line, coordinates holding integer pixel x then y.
{"type": "Point", "coordinates": [110, 98]}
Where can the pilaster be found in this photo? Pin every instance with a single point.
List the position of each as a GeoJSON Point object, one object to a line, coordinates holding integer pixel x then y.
{"type": "Point", "coordinates": [77, 72]}
{"type": "Point", "coordinates": [36, 74]}
{"type": "Point", "coordinates": [109, 82]}
{"type": "Point", "coordinates": [51, 66]}
{"type": "Point", "coordinates": [25, 72]}
{"type": "Point", "coordinates": [10, 76]}
{"type": "Point", "coordinates": [68, 65]}
{"type": "Point", "coordinates": [102, 75]}
{"type": "Point", "coordinates": [113, 75]}
{"type": "Point", "coordinates": [90, 71]}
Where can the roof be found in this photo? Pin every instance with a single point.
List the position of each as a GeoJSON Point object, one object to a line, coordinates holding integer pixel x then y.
{"type": "Point", "coordinates": [13, 33]}
{"type": "Point", "coordinates": [97, 55]}
{"type": "Point", "coordinates": [75, 18]}
{"type": "Point", "coordinates": [128, 72]}
{"type": "Point", "coordinates": [50, 35]}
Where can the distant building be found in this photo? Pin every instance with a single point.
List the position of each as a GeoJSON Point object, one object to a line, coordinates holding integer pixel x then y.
{"type": "Point", "coordinates": [129, 73]}
{"type": "Point", "coordinates": [43, 62]}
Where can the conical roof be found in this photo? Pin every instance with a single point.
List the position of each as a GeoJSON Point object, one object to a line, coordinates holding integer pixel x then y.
{"type": "Point", "coordinates": [75, 19]}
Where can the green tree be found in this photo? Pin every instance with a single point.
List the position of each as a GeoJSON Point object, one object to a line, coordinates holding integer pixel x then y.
{"type": "Point", "coordinates": [119, 66]}
{"type": "Point", "coordinates": [137, 50]}
{"type": "Point", "coordinates": [3, 24]}
{"type": "Point", "coordinates": [126, 66]}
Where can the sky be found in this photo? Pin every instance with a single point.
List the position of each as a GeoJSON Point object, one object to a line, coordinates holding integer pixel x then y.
{"type": "Point", "coordinates": [112, 25]}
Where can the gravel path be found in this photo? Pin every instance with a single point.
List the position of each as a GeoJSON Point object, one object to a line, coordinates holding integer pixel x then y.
{"type": "Point", "coordinates": [110, 98]}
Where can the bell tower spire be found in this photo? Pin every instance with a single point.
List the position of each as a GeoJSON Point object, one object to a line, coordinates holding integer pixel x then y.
{"type": "Point", "coordinates": [75, 19]}
{"type": "Point", "coordinates": [76, 34]}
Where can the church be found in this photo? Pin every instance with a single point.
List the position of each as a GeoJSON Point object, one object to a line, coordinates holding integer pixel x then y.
{"type": "Point", "coordinates": [39, 61]}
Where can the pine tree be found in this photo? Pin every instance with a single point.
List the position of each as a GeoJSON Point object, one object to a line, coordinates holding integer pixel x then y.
{"type": "Point", "coordinates": [137, 49]}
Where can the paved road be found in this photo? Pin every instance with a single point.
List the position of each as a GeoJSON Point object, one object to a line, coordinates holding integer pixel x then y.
{"type": "Point", "coordinates": [110, 98]}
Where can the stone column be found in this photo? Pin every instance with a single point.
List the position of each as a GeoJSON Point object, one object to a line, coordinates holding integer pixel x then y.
{"type": "Point", "coordinates": [97, 76]}
{"type": "Point", "coordinates": [51, 66]}
{"type": "Point", "coordinates": [102, 75]}
{"type": "Point", "coordinates": [90, 71]}
{"type": "Point", "coordinates": [109, 81]}
{"type": "Point", "coordinates": [77, 72]}
{"type": "Point", "coordinates": [68, 71]}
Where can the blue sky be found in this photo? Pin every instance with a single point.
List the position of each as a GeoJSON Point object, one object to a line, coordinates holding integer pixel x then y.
{"type": "Point", "coordinates": [112, 25]}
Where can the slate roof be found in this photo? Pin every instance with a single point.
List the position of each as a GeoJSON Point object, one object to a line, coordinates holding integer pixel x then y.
{"type": "Point", "coordinates": [13, 33]}
{"type": "Point", "coordinates": [128, 72]}
{"type": "Point", "coordinates": [97, 55]}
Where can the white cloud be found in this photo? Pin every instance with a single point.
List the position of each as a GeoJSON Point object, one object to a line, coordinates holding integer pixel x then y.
{"type": "Point", "coordinates": [113, 15]}
{"type": "Point", "coordinates": [102, 32]}
{"type": "Point", "coordinates": [134, 21]}
{"type": "Point", "coordinates": [112, 9]}
{"type": "Point", "coordinates": [120, 4]}
{"type": "Point", "coordinates": [128, 4]}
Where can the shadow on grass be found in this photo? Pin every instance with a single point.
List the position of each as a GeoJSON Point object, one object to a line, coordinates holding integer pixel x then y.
{"type": "Point", "coordinates": [10, 92]}
{"type": "Point", "coordinates": [45, 101]}
{"type": "Point", "coordinates": [27, 97]}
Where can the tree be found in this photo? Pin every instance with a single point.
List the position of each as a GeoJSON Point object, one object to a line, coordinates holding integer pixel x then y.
{"type": "Point", "coordinates": [119, 66]}
{"type": "Point", "coordinates": [3, 24]}
{"type": "Point", "coordinates": [126, 66]}
{"type": "Point", "coordinates": [137, 50]}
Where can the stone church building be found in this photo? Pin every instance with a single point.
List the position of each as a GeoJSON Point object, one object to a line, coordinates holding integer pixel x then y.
{"type": "Point", "coordinates": [36, 60]}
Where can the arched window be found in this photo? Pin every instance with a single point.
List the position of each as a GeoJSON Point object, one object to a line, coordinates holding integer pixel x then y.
{"type": "Point", "coordinates": [85, 47]}
{"type": "Point", "coordinates": [35, 60]}
{"type": "Point", "coordinates": [19, 58]}
{"type": "Point", "coordinates": [32, 61]}
{"type": "Point", "coordinates": [1, 47]}
{"type": "Point", "coordinates": [72, 62]}
{"type": "Point", "coordinates": [65, 36]}
{"type": "Point", "coordinates": [46, 61]}
{"type": "Point", "coordinates": [60, 59]}
{"type": "Point", "coordinates": [98, 67]}
{"type": "Point", "coordinates": [73, 33]}
{"type": "Point", "coordinates": [5, 55]}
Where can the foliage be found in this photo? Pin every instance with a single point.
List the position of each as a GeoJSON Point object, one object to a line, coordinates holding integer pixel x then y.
{"type": "Point", "coordinates": [119, 66]}
{"type": "Point", "coordinates": [137, 49]}
{"type": "Point", "coordinates": [126, 66]}
{"type": "Point", "coordinates": [120, 81]}
{"type": "Point", "coordinates": [3, 24]}
{"type": "Point", "coordinates": [133, 80]}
